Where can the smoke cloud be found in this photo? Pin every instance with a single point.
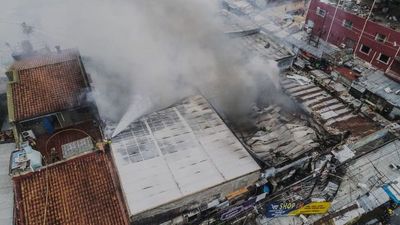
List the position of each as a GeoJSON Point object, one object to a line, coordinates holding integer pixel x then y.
{"type": "Point", "coordinates": [144, 55]}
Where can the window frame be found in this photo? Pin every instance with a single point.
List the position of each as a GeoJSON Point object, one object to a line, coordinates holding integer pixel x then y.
{"type": "Point", "coordinates": [369, 52]}
{"type": "Point", "coordinates": [379, 58]}
{"type": "Point", "coordinates": [378, 39]}
{"type": "Point", "coordinates": [320, 10]}
{"type": "Point", "coordinates": [344, 24]}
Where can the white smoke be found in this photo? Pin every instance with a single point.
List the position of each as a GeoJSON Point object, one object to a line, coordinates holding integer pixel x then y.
{"type": "Point", "coordinates": [156, 51]}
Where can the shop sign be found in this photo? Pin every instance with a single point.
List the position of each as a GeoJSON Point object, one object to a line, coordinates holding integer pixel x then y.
{"type": "Point", "coordinates": [277, 209]}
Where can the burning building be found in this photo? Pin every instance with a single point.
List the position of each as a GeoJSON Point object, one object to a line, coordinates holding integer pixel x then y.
{"type": "Point", "coordinates": [179, 160]}
{"type": "Point", "coordinates": [49, 106]}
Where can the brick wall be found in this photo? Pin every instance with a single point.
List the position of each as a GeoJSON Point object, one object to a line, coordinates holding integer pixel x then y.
{"type": "Point", "coordinates": [349, 35]}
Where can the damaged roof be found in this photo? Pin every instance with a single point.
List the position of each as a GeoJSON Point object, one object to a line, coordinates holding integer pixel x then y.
{"type": "Point", "coordinates": [331, 113]}
{"type": "Point", "coordinates": [377, 83]}
{"type": "Point", "coordinates": [176, 152]}
{"type": "Point", "coordinates": [281, 138]}
{"type": "Point", "coordinates": [79, 191]}
{"type": "Point", "coordinates": [45, 83]}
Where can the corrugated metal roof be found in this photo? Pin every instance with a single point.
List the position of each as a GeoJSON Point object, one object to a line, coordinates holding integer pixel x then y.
{"type": "Point", "coordinates": [281, 137]}
{"type": "Point", "coordinates": [334, 115]}
{"type": "Point", "coordinates": [371, 171]}
{"type": "Point", "coordinates": [376, 82]}
{"type": "Point", "coordinates": [176, 152]}
{"type": "Point", "coordinates": [301, 41]}
{"type": "Point", "coordinates": [233, 23]}
{"type": "Point", "coordinates": [262, 45]}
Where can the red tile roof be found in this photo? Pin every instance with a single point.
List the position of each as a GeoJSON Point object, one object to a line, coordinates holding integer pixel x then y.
{"type": "Point", "coordinates": [47, 83]}
{"type": "Point", "coordinates": [80, 191]}
{"type": "Point", "coordinates": [45, 59]}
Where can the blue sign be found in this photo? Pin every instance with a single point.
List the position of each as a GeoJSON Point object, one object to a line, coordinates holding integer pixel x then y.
{"type": "Point", "coordinates": [392, 193]}
{"type": "Point", "coordinates": [237, 209]}
{"type": "Point", "coordinates": [277, 209]}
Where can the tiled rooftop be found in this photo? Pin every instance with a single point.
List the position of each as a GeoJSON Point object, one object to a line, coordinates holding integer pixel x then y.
{"type": "Point", "coordinates": [45, 59]}
{"type": "Point", "coordinates": [80, 191]}
{"type": "Point", "coordinates": [47, 84]}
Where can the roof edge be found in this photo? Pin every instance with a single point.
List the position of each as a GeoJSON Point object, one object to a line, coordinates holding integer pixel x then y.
{"type": "Point", "coordinates": [10, 104]}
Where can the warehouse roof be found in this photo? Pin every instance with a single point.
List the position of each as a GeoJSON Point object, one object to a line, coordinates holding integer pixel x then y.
{"type": "Point", "coordinates": [45, 83]}
{"type": "Point", "coordinates": [176, 152]}
{"type": "Point", "coordinates": [79, 191]}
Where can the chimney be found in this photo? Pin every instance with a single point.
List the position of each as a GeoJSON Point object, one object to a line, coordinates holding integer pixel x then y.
{"type": "Point", "coordinates": [58, 48]}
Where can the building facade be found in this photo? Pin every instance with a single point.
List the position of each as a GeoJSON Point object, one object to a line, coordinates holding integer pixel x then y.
{"type": "Point", "coordinates": [371, 41]}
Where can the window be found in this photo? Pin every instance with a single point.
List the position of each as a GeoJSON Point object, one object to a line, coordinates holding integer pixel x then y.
{"type": "Point", "coordinates": [347, 24]}
{"type": "Point", "coordinates": [380, 37]}
{"type": "Point", "coordinates": [365, 49]}
{"type": "Point", "coordinates": [321, 12]}
{"type": "Point", "coordinates": [383, 58]}
{"type": "Point", "coordinates": [350, 43]}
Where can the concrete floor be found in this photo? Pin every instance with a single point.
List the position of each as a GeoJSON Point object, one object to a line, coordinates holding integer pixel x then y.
{"type": "Point", "coordinates": [6, 188]}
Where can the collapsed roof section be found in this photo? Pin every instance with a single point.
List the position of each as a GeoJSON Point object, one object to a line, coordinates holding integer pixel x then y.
{"type": "Point", "coordinates": [281, 138]}
{"type": "Point", "coordinates": [45, 83]}
{"type": "Point", "coordinates": [177, 152]}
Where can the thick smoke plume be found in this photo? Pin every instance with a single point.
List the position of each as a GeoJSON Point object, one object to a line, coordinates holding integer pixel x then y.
{"type": "Point", "coordinates": [144, 55]}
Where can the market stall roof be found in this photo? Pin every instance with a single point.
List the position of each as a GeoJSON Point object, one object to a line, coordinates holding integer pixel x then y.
{"type": "Point", "coordinates": [376, 82]}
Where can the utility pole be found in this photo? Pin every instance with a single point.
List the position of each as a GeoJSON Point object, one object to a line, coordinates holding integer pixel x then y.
{"type": "Point", "coordinates": [333, 20]}
{"type": "Point", "coordinates": [322, 29]}
{"type": "Point", "coordinates": [362, 32]}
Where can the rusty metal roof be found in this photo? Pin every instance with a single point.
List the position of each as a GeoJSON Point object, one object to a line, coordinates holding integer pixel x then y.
{"type": "Point", "coordinates": [330, 112]}
{"type": "Point", "coordinates": [78, 191]}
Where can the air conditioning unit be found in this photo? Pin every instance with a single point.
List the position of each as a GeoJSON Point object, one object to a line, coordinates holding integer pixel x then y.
{"type": "Point", "coordinates": [27, 134]}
